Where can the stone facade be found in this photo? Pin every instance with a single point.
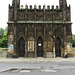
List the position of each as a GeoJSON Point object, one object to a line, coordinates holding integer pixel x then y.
{"type": "Point", "coordinates": [39, 32]}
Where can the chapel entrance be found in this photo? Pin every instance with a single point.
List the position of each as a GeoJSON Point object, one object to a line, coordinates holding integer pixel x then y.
{"type": "Point", "coordinates": [21, 47]}
{"type": "Point", "coordinates": [57, 47]}
{"type": "Point", "coordinates": [39, 47]}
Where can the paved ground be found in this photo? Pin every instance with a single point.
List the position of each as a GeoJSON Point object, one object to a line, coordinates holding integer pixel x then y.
{"type": "Point", "coordinates": [40, 68]}
{"type": "Point", "coordinates": [70, 59]}
{"type": "Point", "coordinates": [37, 66]}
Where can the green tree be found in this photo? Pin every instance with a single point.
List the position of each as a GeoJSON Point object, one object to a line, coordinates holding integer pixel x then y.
{"type": "Point", "coordinates": [1, 32]}
{"type": "Point", "coordinates": [3, 40]}
{"type": "Point", "coordinates": [6, 29]}
{"type": "Point", "coordinates": [73, 40]}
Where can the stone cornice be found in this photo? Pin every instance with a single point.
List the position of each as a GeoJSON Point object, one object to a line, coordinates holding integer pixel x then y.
{"type": "Point", "coordinates": [56, 22]}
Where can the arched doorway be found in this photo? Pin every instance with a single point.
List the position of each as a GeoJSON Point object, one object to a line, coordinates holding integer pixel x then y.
{"type": "Point", "coordinates": [57, 47]}
{"type": "Point", "coordinates": [39, 47]}
{"type": "Point", "coordinates": [21, 47]}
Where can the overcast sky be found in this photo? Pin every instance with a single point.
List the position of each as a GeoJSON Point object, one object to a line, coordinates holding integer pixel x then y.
{"type": "Point", "coordinates": [4, 9]}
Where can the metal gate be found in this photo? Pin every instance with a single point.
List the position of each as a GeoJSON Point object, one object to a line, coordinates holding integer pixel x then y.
{"type": "Point", "coordinates": [21, 47]}
{"type": "Point", "coordinates": [57, 47]}
{"type": "Point", "coordinates": [39, 47]}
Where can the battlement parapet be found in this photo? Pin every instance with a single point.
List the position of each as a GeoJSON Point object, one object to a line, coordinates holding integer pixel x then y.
{"type": "Point", "coordinates": [39, 7]}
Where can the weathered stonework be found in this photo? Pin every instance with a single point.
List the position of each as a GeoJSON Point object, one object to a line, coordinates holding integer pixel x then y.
{"type": "Point", "coordinates": [39, 32]}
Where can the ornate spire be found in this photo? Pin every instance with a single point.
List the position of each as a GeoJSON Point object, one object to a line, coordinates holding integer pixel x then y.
{"type": "Point", "coordinates": [16, 3]}
{"type": "Point", "coordinates": [62, 3]}
{"type": "Point", "coordinates": [65, 2]}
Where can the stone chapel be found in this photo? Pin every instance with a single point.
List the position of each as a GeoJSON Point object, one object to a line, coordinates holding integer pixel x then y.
{"type": "Point", "coordinates": [39, 32]}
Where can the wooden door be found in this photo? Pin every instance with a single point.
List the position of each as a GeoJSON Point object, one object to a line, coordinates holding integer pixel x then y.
{"type": "Point", "coordinates": [39, 47]}
{"type": "Point", "coordinates": [57, 47]}
{"type": "Point", "coordinates": [21, 47]}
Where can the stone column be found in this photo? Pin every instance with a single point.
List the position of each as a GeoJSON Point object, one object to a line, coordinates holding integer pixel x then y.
{"type": "Point", "coordinates": [54, 55]}
{"type": "Point", "coordinates": [26, 42]}
{"type": "Point", "coordinates": [54, 52]}
{"type": "Point", "coordinates": [44, 48]}
{"type": "Point", "coordinates": [26, 48]}
{"type": "Point", "coordinates": [15, 40]}
{"type": "Point", "coordinates": [35, 48]}
{"type": "Point", "coordinates": [44, 44]}
{"type": "Point", "coordinates": [35, 41]}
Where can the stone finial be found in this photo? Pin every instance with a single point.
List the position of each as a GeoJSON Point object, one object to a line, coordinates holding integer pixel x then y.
{"type": "Point", "coordinates": [9, 5]}
{"type": "Point", "coordinates": [30, 6]}
{"type": "Point", "coordinates": [39, 6]}
{"type": "Point", "coordinates": [52, 6]}
{"type": "Point", "coordinates": [43, 6]}
{"type": "Point", "coordinates": [48, 7]}
{"type": "Point", "coordinates": [21, 6]}
{"type": "Point", "coordinates": [26, 6]}
{"type": "Point", "coordinates": [69, 6]}
{"type": "Point", "coordinates": [56, 7]}
{"type": "Point", "coordinates": [35, 6]}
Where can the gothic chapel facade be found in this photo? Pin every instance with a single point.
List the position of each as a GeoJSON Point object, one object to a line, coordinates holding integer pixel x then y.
{"type": "Point", "coordinates": [39, 32]}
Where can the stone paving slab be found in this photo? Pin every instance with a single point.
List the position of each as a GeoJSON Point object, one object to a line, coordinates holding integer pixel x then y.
{"type": "Point", "coordinates": [71, 59]}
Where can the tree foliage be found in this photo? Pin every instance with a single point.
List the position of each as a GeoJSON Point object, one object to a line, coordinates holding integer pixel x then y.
{"type": "Point", "coordinates": [3, 39]}
{"type": "Point", "coordinates": [1, 31]}
{"type": "Point", "coordinates": [73, 40]}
